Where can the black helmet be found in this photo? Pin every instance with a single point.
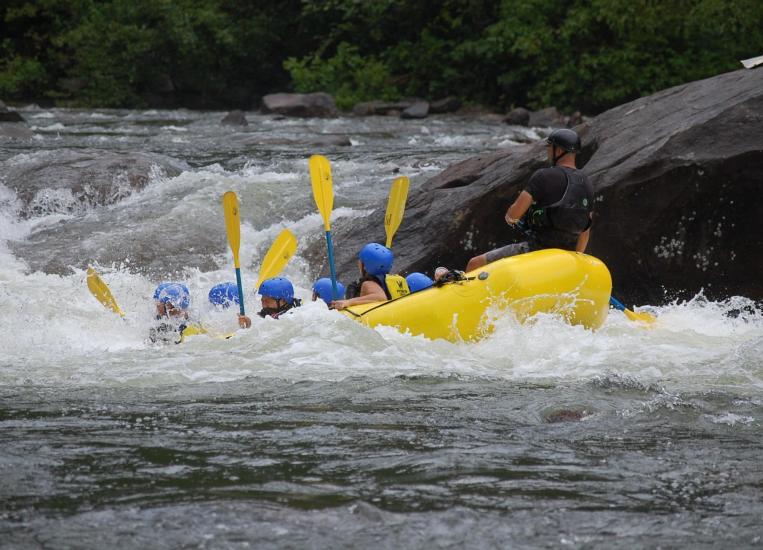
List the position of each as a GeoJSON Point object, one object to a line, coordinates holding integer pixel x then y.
{"type": "Point", "coordinates": [565, 139]}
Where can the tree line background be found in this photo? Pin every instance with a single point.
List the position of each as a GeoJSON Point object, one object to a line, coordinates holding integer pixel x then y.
{"type": "Point", "coordinates": [574, 54]}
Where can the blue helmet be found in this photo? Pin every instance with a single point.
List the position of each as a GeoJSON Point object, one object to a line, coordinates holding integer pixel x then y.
{"type": "Point", "coordinates": [278, 288]}
{"type": "Point", "coordinates": [377, 259]}
{"type": "Point", "coordinates": [418, 281]}
{"type": "Point", "coordinates": [159, 289]}
{"type": "Point", "coordinates": [224, 294]}
{"type": "Point", "coordinates": [176, 294]}
{"type": "Point", "coordinates": [325, 290]}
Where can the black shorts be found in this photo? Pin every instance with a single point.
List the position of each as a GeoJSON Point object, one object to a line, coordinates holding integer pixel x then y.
{"type": "Point", "coordinates": [507, 251]}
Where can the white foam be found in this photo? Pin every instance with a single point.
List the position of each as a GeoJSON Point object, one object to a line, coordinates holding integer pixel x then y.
{"type": "Point", "coordinates": [53, 332]}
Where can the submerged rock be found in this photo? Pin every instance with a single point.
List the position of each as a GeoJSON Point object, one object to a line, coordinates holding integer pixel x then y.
{"type": "Point", "coordinates": [69, 181]}
{"type": "Point", "coordinates": [6, 115]}
{"type": "Point", "coordinates": [381, 108]}
{"type": "Point", "coordinates": [419, 109]}
{"type": "Point", "coordinates": [320, 140]}
{"type": "Point", "coordinates": [565, 415]}
{"type": "Point", "coordinates": [446, 105]}
{"type": "Point", "coordinates": [300, 105]}
{"type": "Point", "coordinates": [677, 178]}
{"type": "Point", "coordinates": [15, 131]}
{"type": "Point", "coordinates": [234, 118]}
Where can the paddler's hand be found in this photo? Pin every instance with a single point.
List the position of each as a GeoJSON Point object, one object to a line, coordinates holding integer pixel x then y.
{"type": "Point", "coordinates": [244, 321]}
{"type": "Point", "coordinates": [339, 305]}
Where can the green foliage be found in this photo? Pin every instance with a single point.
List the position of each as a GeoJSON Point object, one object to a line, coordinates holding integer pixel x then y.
{"type": "Point", "coordinates": [21, 75]}
{"type": "Point", "coordinates": [575, 54]}
{"type": "Point", "coordinates": [347, 76]}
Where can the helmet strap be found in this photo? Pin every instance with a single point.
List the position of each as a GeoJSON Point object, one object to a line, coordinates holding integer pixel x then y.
{"type": "Point", "coordinates": [558, 157]}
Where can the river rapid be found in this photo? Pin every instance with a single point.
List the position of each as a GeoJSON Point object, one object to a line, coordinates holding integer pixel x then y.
{"type": "Point", "coordinates": [312, 431]}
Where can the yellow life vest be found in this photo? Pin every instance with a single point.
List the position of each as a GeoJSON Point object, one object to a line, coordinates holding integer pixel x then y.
{"type": "Point", "coordinates": [397, 286]}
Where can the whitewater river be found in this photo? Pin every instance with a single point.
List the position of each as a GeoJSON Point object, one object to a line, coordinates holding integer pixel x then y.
{"type": "Point", "coordinates": [312, 431]}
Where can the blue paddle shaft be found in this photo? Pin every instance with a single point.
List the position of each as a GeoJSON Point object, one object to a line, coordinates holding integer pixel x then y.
{"type": "Point", "coordinates": [240, 291]}
{"type": "Point", "coordinates": [616, 304]}
{"type": "Point", "coordinates": [330, 246]}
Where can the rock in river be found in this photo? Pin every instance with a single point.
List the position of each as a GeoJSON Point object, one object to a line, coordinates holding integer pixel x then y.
{"type": "Point", "coordinates": [678, 197]}
{"type": "Point", "coordinates": [234, 118]}
{"type": "Point", "coordinates": [69, 181]}
{"type": "Point", "coordinates": [300, 105]}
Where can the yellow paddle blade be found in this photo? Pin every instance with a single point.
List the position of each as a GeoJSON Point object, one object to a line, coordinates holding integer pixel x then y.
{"type": "Point", "coordinates": [196, 330]}
{"type": "Point", "coordinates": [101, 291]}
{"type": "Point", "coordinates": [398, 194]}
{"type": "Point", "coordinates": [323, 188]}
{"type": "Point", "coordinates": [232, 224]}
{"type": "Point", "coordinates": [281, 251]}
{"type": "Point", "coordinates": [640, 317]}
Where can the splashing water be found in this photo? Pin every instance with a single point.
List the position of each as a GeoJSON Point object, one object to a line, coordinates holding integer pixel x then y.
{"type": "Point", "coordinates": [312, 430]}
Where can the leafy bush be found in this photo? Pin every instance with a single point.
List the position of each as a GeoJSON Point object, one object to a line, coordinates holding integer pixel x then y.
{"type": "Point", "coordinates": [347, 76]}
{"type": "Point", "coordinates": [575, 54]}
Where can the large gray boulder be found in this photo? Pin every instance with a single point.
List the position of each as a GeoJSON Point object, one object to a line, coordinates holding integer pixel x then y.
{"type": "Point", "coordinates": [678, 177]}
{"type": "Point", "coordinates": [70, 181]}
{"type": "Point", "coordinates": [420, 109]}
{"type": "Point", "coordinates": [518, 117]}
{"type": "Point", "coordinates": [300, 105]}
{"type": "Point", "coordinates": [548, 117]}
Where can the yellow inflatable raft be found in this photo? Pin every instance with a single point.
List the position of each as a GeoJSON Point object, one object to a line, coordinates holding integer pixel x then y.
{"type": "Point", "coordinates": [575, 286]}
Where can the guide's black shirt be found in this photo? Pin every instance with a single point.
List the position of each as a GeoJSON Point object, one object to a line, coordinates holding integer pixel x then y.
{"type": "Point", "coordinates": [561, 209]}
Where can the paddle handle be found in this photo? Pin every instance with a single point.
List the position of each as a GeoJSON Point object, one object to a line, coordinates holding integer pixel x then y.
{"type": "Point", "coordinates": [616, 304]}
{"type": "Point", "coordinates": [240, 291]}
{"type": "Point", "coordinates": [330, 247]}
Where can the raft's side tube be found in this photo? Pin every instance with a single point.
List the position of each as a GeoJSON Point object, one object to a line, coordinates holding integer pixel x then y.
{"type": "Point", "coordinates": [576, 286]}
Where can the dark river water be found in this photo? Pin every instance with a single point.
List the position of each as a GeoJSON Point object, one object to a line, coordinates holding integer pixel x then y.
{"type": "Point", "coordinates": [312, 431]}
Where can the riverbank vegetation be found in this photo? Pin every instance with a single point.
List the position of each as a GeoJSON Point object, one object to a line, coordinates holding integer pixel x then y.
{"type": "Point", "coordinates": [587, 55]}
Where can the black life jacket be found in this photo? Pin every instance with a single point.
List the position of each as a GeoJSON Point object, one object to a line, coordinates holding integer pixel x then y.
{"type": "Point", "coordinates": [276, 312]}
{"type": "Point", "coordinates": [558, 225]}
{"type": "Point", "coordinates": [353, 289]}
{"type": "Point", "coordinates": [166, 332]}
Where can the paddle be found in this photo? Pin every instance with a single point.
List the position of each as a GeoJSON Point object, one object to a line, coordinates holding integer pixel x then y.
{"type": "Point", "coordinates": [101, 291]}
{"type": "Point", "coordinates": [323, 193]}
{"type": "Point", "coordinates": [640, 317]}
{"type": "Point", "coordinates": [395, 207]}
{"type": "Point", "coordinates": [233, 230]}
{"type": "Point", "coordinates": [281, 251]}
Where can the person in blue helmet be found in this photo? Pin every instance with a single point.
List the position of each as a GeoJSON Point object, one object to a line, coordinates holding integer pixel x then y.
{"type": "Point", "coordinates": [418, 281]}
{"type": "Point", "coordinates": [224, 295]}
{"type": "Point", "coordinates": [374, 262]}
{"type": "Point", "coordinates": [277, 298]}
{"type": "Point", "coordinates": [324, 290]}
{"type": "Point", "coordinates": [171, 301]}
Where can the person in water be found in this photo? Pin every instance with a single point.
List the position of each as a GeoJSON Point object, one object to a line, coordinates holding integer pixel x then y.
{"type": "Point", "coordinates": [277, 298]}
{"type": "Point", "coordinates": [324, 290]}
{"type": "Point", "coordinates": [225, 295]}
{"type": "Point", "coordinates": [171, 301]}
{"type": "Point", "coordinates": [374, 262]}
{"type": "Point", "coordinates": [555, 208]}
